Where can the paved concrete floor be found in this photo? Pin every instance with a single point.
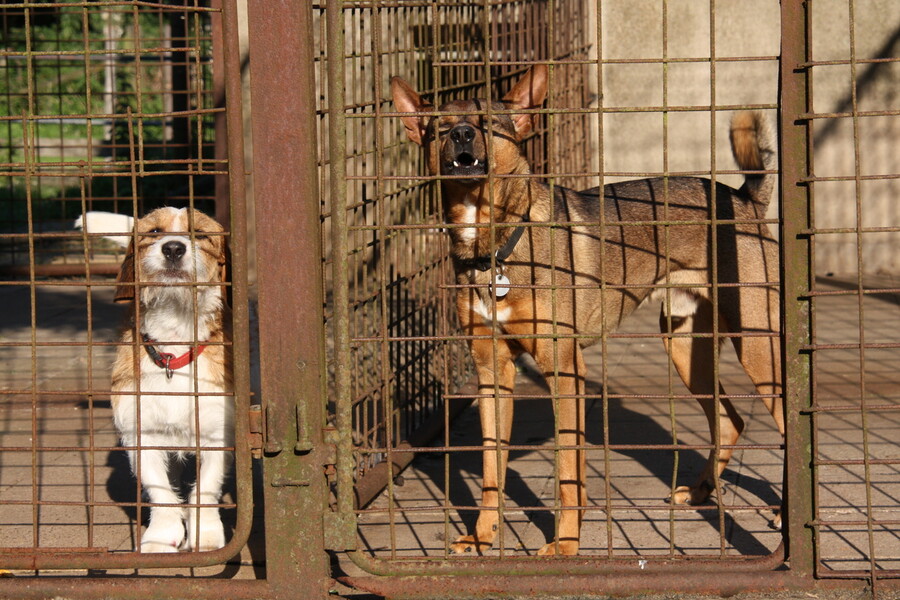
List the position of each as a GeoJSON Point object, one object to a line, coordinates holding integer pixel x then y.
{"type": "Point", "coordinates": [628, 487]}
{"type": "Point", "coordinates": [60, 405]}
{"type": "Point", "coordinates": [72, 491]}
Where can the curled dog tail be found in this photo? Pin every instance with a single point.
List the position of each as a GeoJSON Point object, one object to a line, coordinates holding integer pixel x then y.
{"type": "Point", "coordinates": [753, 146]}
{"type": "Point", "coordinates": [117, 227]}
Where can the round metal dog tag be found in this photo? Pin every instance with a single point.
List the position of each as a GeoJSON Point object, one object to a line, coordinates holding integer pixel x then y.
{"type": "Point", "coordinates": [500, 285]}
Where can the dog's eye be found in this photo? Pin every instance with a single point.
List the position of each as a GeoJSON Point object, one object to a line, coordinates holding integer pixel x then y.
{"type": "Point", "coordinates": [200, 235]}
{"type": "Point", "coordinates": [156, 230]}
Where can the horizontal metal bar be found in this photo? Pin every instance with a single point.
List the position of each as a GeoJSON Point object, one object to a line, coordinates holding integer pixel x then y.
{"type": "Point", "coordinates": [846, 462]}
{"type": "Point", "coordinates": [865, 574]}
{"type": "Point", "coordinates": [662, 506]}
{"type": "Point", "coordinates": [558, 111]}
{"type": "Point", "coordinates": [559, 224]}
{"type": "Point", "coordinates": [847, 61]}
{"type": "Point", "coordinates": [851, 408]}
{"type": "Point", "coordinates": [856, 346]}
{"type": "Point", "coordinates": [406, 449]}
{"type": "Point", "coordinates": [563, 336]}
{"type": "Point", "coordinates": [866, 524]}
{"type": "Point", "coordinates": [64, 270]}
{"type": "Point", "coordinates": [885, 177]}
{"type": "Point", "coordinates": [852, 292]}
{"type": "Point", "coordinates": [614, 582]}
{"type": "Point", "coordinates": [560, 570]}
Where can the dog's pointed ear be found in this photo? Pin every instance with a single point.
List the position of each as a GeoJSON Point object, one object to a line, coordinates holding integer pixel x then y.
{"type": "Point", "coordinates": [529, 92]}
{"type": "Point", "coordinates": [125, 279]}
{"type": "Point", "coordinates": [406, 100]}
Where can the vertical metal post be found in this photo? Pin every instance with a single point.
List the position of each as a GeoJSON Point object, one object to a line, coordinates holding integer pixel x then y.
{"type": "Point", "coordinates": [291, 333]}
{"type": "Point", "coordinates": [797, 265]}
{"type": "Point", "coordinates": [223, 208]}
{"type": "Point", "coordinates": [337, 128]}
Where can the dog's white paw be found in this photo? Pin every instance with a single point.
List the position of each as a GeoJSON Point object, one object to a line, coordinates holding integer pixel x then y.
{"type": "Point", "coordinates": [158, 547]}
{"type": "Point", "coordinates": [164, 534]}
{"type": "Point", "coordinates": [211, 535]}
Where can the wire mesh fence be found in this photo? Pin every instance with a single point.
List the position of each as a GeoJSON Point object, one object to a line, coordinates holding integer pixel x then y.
{"type": "Point", "coordinates": [105, 108]}
{"type": "Point", "coordinates": [119, 106]}
{"type": "Point", "coordinates": [652, 98]}
{"type": "Point", "coordinates": [110, 110]}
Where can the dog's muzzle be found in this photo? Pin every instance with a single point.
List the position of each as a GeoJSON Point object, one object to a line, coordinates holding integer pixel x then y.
{"type": "Point", "coordinates": [461, 156]}
{"type": "Point", "coordinates": [173, 264]}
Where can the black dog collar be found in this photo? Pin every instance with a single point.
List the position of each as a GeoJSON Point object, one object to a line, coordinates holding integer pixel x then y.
{"type": "Point", "coordinates": [483, 263]}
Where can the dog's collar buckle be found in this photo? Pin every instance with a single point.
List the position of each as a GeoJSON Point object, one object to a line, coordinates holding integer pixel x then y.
{"type": "Point", "coordinates": [167, 360]}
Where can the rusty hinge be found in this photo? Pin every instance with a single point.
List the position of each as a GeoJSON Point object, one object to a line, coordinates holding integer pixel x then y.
{"type": "Point", "coordinates": [259, 439]}
{"type": "Point", "coordinates": [255, 437]}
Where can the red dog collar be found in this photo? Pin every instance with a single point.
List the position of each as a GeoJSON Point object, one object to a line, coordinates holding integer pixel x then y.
{"type": "Point", "coordinates": [167, 360]}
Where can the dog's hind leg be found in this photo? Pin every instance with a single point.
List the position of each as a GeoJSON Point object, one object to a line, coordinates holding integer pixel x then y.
{"type": "Point", "coordinates": [760, 355]}
{"type": "Point", "coordinates": [496, 414]}
{"type": "Point", "coordinates": [694, 358]}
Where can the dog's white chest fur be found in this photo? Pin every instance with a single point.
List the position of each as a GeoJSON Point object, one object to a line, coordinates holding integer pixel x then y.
{"type": "Point", "coordinates": [167, 407]}
{"type": "Point", "coordinates": [485, 312]}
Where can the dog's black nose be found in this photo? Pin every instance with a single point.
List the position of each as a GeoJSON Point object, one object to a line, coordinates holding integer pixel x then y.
{"type": "Point", "coordinates": [173, 250]}
{"type": "Point", "coordinates": [462, 134]}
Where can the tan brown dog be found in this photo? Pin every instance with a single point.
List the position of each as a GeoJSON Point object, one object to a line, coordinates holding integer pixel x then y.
{"type": "Point", "coordinates": [554, 291]}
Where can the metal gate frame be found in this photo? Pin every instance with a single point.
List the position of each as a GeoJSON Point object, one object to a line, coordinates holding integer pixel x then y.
{"type": "Point", "coordinates": [297, 445]}
{"type": "Point", "coordinates": [295, 485]}
{"type": "Point", "coordinates": [792, 565]}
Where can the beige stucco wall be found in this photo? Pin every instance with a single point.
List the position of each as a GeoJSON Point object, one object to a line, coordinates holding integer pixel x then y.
{"type": "Point", "coordinates": [634, 142]}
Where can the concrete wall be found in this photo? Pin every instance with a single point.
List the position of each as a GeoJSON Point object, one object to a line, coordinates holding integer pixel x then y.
{"type": "Point", "coordinates": [634, 142]}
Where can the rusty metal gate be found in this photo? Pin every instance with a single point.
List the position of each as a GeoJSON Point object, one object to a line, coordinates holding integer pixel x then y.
{"type": "Point", "coordinates": [358, 442]}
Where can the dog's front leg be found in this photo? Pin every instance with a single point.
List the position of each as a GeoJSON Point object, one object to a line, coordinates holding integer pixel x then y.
{"type": "Point", "coordinates": [166, 529]}
{"type": "Point", "coordinates": [567, 383]}
{"type": "Point", "coordinates": [496, 414]}
{"type": "Point", "coordinates": [205, 530]}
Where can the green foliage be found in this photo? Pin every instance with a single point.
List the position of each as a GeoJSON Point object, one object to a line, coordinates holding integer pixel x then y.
{"type": "Point", "coordinates": [60, 58]}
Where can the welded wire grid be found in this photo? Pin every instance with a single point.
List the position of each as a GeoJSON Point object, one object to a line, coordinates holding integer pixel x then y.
{"type": "Point", "coordinates": [854, 174]}
{"type": "Point", "coordinates": [400, 386]}
{"type": "Point", "coordinates": [398, 252]}
{"type": "Point", "coordinates": [105, 106]}
{"type": "Point", "coordinates": [624, 112]}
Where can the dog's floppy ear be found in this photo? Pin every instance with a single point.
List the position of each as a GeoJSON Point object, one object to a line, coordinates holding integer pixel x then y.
{"type": "Point", "coordinates": [529, 92]}
{"type": "Point", "coordinates": [125, 293]}
{"type": "Point", "coordinates": [408, 101]}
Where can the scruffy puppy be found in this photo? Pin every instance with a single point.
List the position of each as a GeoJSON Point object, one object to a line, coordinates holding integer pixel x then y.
{"type": "Point", "coordinates": [172, 388]}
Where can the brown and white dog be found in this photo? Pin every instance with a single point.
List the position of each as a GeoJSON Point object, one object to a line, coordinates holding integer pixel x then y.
{"type": "Point", "coordinates": [527, 286]}
{"type": "Point", "coordinates": [174, 396]}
